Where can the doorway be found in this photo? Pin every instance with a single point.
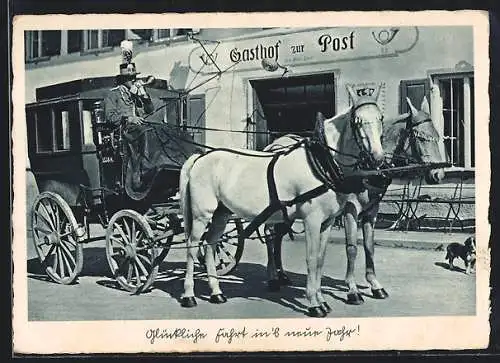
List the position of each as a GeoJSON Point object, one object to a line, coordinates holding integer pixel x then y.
{"type": "Point", "coordinates": [289, 105]}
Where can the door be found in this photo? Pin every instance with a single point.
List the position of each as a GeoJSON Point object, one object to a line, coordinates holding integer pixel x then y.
{"type": "Point", "coordinates": [289, 105]}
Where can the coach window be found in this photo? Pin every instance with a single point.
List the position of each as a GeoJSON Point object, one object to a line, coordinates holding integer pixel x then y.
{"type": "Point", "coordinates": [44, 136]}
{"type": "Point", "coordinates": [61, 129]}
{"type": "Point", "coordinates": [53, 129]}
{"type": "Point", "coordinates": [41, 44]}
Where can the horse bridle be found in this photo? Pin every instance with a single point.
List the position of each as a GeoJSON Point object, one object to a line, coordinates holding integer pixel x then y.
{"type": "Point", "coordinates": [365, 159]}
{"type": "Point", "coordinates": [412, 135]}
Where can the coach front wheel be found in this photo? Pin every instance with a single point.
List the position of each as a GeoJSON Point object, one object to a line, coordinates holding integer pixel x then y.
{"type": "Point", "coordinates": [130, 251]}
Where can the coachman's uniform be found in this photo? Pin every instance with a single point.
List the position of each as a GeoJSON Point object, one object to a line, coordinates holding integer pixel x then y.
{"type": "Point", "coordinates": [152, 146]}
{"type": "Point", "coordinates": [121, 103]}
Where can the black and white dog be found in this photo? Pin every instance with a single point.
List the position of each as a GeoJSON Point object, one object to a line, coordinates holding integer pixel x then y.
{"type": "Point", "coordinates": [466, 251]}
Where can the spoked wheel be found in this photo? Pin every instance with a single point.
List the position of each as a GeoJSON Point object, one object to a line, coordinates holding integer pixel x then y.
{"type": "Point", "coordinates": [130, 252]}
{"type": "Point", "coordinates": [55, 236]}
{"type": "Point", "coordinates": [229, 249]}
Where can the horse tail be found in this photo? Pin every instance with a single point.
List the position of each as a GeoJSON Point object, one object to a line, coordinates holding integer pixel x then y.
{"type": "Point", "coordinates": [185, 194]}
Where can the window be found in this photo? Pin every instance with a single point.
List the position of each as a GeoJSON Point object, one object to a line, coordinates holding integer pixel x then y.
{"type": "Point", "coordinates": [61, 130]}
{"type": "Point", "coordinates": [102, 38]}
{"type": "Point", "coordinates": [43, 130]}
{"type": "Point", "coordinates": [193, 114]}
{"type": "Point", "coordinates": [415, 90]}
{"type": "Point", "coordinates": [53, 128]}
{"type": "Point", "coordinates": [160, 35]}
{"type": "Point", "coordinates": [74, 41]}
{"type": "Point", "coordinates": [457, 94]}
{"type": "Point", "coordinates": [171, 114]}
{"type": "Point", "coordinates": [453, 113]}
{"type": "Point", "coordinates": [187, 111]}
{"type": "Point", "coordinates": [42, 43]}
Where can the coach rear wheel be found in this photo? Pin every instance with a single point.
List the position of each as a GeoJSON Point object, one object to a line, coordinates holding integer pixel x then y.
{"type": "Point", "coordinates": [229, 249]}
{"type": "Point", "coordinates": [130, 251]}
{"type": "Point", "coordinates": [55, 236]}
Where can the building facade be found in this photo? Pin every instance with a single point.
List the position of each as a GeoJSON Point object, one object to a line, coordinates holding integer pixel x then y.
{"type": "Point", "coordinates": [305, 70]}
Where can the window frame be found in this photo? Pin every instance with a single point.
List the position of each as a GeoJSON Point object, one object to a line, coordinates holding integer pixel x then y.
{"type": "Point", "coordinates": [100, 41]}
{"type": "Point", "coordinates": [156, 39]}
{"type": "Point", "coordinates": [468, 116]}
{"type": "Point", "coordinates": [52, 112]}
{"type": "Point", "coordinates": [29, 40]}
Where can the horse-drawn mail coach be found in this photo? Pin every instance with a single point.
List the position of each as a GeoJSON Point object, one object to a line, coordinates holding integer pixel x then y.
{"type": "Point", "coordinates": [83, 170]}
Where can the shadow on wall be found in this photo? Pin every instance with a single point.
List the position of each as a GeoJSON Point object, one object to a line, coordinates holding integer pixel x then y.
{"type": "Point", "coordinates": [178, 76]}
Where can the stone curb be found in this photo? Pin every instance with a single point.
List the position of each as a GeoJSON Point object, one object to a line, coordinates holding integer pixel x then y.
{"type": "Point", "coordinates": [397, 239]}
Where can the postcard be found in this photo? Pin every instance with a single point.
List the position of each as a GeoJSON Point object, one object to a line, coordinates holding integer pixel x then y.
{"type": "Point", "coordinates": [314, 181]}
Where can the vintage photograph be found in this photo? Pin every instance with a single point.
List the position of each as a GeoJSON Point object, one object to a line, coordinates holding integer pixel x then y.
{"type": "Point", "coordinates": [251, 188]}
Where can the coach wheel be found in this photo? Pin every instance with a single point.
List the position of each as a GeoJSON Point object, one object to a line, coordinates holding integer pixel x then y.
{"type": "Point", "coordinates": [130, 251]}
{"type": "Point", "coordinates": [229, 249]}
{"type": "Point", "coordinates": [56, 238]}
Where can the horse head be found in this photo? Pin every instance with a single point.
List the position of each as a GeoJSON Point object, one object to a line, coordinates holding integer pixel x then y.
{"type": "Point", "coordinates": [418, 140]}
{"type": "Point", "coordinates": [366, 126]}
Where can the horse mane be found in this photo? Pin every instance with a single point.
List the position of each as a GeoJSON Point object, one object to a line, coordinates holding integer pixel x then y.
{"type": "Point", "coordinates": [340, 116]}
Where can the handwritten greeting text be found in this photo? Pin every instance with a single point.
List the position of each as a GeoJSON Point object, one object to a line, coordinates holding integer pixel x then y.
{"type": "Point", "coordinates": [240, 334]}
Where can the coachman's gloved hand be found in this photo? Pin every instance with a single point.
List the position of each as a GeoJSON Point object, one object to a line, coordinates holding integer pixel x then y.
{"type": "Point", "coordinates": [138, 90]}
{"type": "Point", "coordinates": [138, 87]}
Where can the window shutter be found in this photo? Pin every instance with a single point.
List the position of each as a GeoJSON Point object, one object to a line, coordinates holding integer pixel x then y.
{"type": "Point", "coordinates": [196, 117]}
{"type": "Point", "coordinates": [415, 90]}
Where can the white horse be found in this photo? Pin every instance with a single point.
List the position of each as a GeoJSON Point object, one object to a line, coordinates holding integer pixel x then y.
{"type": "Point", "coordinates": [410, 138]}
{"type": "Point", "coordinates": [223, 182]}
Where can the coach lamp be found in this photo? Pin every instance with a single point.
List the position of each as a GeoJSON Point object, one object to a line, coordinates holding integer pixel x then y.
{"type": "Point", "coordinates": [106, 143]}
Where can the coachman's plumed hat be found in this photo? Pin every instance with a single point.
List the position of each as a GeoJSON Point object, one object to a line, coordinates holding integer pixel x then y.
{"type": "Point", "coordinates": [127, 67]}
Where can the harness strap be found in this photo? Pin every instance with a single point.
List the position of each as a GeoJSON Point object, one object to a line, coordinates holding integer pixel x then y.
{"type": "Point", "coordinates": [269, 210]}
{"type": "Point", "coordinates": [274, 201]}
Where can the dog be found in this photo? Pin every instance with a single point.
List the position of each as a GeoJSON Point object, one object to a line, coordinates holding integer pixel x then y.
{"type": "Point", "coordinates": [465, 251]}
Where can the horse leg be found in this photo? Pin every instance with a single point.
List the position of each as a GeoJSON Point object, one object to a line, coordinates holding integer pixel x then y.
{"type": "Point", "coordinates": [217, 227]}
{"type": "Point", "coordinates": [324, 235]}
{"type": "Point", "coordinates": [368, 222]}
{"type": "Point", "coordinates": [276, 276]}
{"type": "Point", "coordinates": [280, 231]}
{"type": "Point", "coordinates": [312, 232]}
{"type": "Point", "coordinates": [197, 230]}
{"type": "Point", "coordinates": [351, 236]}
{"type": "Point", "coordinates": [272, 270]}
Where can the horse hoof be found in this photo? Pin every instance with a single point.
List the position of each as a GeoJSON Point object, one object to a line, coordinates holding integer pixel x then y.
{"type": "Point", "coordinates": [380, 293]}
{"type": "Point", "coordinates": [218, 299]}
{"type": "Point", "coordinates": [285, 280]}
{"type": "Point", "coordinates": [355, 299]}
{"type": "Point", "coordinates": [188, 302]}
{"type": "Point", "coordinates": [316, 312]}
{"type": "Point", "coordinates": [325, 307]}
{"type": "Point", "coordinates": [274, 285]}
